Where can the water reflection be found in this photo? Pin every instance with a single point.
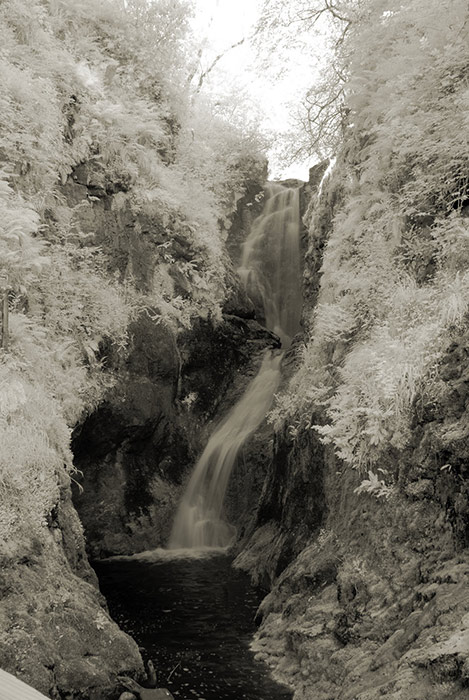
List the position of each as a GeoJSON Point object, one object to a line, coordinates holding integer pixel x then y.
{"type": "Point", "coordinates": [194, 617]}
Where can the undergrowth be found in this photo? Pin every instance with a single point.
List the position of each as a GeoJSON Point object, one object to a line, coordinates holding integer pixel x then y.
{"type": "Point", "coordinates": [108, 87]}
{"type": "Point", "coordinates": [394, 282]}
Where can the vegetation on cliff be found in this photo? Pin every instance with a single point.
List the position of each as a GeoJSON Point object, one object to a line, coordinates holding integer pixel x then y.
{"type": "Point", "coordinates": [99, 93]}
{"type": "Point", "coordinates": [118, 178]}
{"type": "Point", "coordinates": [394, 289]}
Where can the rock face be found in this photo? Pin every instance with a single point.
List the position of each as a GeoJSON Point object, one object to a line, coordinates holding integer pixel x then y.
{"type": "Point", "coordinates": [368, 595]}
{"type": "Point", "coordinates": [134, 452]}
{"type": "Point", "coordinates": [56, 633]}
{"type": "Point", "coordinates": [376, 604]}
{"type": "Point", "coordinates": [122, 451]}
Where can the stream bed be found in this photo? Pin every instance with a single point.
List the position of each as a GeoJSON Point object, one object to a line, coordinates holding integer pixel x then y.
{"type": "Point", "coordinates": [193, 615]}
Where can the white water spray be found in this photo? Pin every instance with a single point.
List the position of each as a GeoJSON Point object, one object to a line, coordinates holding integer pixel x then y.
{"type": "Point", "coordinates": [270, 271]}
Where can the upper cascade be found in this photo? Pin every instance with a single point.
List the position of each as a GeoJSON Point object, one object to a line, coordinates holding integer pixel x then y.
{"type": "Point", "coordinates": [270, 266]}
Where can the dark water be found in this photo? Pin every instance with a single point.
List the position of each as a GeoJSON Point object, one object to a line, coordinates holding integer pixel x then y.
{"type": "Point", "coordinates": [194, 617]}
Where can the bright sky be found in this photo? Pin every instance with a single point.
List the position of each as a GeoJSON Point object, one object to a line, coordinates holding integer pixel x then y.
{"type": "Point", "coordinates": [225, 22]}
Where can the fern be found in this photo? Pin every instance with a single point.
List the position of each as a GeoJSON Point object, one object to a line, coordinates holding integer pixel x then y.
{"type": "Point", "coordinates": [21, 254]}
{"type": "Point", "coordinates": [375, 487]}
{"type": "Point", "coordinates": [394, 285]}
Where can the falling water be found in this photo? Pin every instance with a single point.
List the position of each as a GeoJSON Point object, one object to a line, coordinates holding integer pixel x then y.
{"type": "Point", "coordinates": [270, 266]}
{"type": "Point", "coordinates": [270, 271]}
{"type": "Point", "coordinates": [199, 520]}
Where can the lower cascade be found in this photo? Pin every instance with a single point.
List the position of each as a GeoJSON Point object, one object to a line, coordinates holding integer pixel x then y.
{"type": "Point", "coordinates": [270, 271]}
{"type": "Point", "coordinates": [199, 521]}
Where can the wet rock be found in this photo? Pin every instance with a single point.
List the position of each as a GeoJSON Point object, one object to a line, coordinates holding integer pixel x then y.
{"type": "Point", "coordinates": [151, 674]}
{"type": "Point", "coordinates": [213, 356]}
{"type": "Point", "coordinates": [134, 451]}
{"type": "Point", "coordinates": [237, 302]}
{"type": "Point", "coordinates": [248, 207]}
{"type": "Point", "coordinates": [56, 633]}
{"type": "Point", "coordinates": [142, 693]}
{"type": "Point", "coordinates": [385, 618]}
{"type": "Point", "coordinates": [294, 486]}
{"type": "Point", "coordinates": [128, 451]}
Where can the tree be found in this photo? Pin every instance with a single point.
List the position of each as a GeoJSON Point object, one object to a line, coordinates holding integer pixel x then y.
{"type": "Point", "coordinates": [317, 29]}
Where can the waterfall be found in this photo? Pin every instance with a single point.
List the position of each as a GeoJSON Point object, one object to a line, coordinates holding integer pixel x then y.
{"type": "Point", "coordinates": [270, 271]}
{"type": "Point", "coordinates": [270, 266]}
{"type": "Point", "coordinates": [199, 521]}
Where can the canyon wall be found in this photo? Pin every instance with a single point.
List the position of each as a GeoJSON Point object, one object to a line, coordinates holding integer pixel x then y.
{"type": "Point", "coordinates": [361, 530]}
{"type": "Point", "coordinates": [132, 455]}
{"type": "Point", "coordinates": [117, 187]}
{"type": "Point", "coordinates": [56, 633]}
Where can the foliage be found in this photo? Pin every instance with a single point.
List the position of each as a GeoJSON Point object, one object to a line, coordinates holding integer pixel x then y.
{"type": "Point", "coordinates": [102, 89]}
{"type": "Point", "coordinates": [394, 282]}
{"type": "Point", "coordinates": [375, 486]}
{"type": "Point", "coordinates": [34, 440]}
{"type": "Point", "coordinates": [21, 255]}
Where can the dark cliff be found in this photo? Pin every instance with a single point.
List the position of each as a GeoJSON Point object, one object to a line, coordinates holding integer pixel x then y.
{"type": "Point", "coordinates": [134, 452]}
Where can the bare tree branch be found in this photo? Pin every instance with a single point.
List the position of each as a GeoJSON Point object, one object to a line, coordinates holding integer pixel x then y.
{"type": "Point", "coordinates": [334, 12]}
{"type": "Point", "coordinates": [215, 61]}
{"type": "Point", "coordinates": [191, 75]}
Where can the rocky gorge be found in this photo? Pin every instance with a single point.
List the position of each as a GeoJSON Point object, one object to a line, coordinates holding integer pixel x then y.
{"type": "Point", "coordinates": [141, 248]}
{"type": "Point", "coordinates": [358, 584]}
